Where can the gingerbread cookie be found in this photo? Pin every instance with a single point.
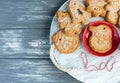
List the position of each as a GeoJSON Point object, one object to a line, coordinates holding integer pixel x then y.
{"type": "Point", "coordinates": [113, 9]}
{"type": "Point", "coordinates": [65, 22]}
{"type": "Point", "coordinates": [101, 38]}
{"type": "Point", "coordinates": [64, 43]}
{"type": "Point", "coordinates": [73, 29]}
{"type": "Point", "coordinates": [63, 19]}
{"type": "Point", "coordinates": [96, 7]}
{"type": "Point", "coordinates": [78, 12]}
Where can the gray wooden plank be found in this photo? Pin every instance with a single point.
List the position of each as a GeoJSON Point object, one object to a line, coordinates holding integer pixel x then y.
{"type": "Point", "coordinates": [27, 13]}
{"type": "Point", "coordinates": [32, 71]}
{"type": "Point", "coordinates": [27, 43]}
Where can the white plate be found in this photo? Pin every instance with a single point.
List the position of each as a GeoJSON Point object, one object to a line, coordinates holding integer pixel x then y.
{"type": "Point", "coordinates": [75, 60]}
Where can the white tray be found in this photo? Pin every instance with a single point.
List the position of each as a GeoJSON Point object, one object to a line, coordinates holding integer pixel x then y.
{"type": "Point", "coordinates": [81, 64]}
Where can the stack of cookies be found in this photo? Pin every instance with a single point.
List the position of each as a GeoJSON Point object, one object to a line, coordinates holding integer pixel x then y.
{"type": "Point", "coordinates": [67, 39]}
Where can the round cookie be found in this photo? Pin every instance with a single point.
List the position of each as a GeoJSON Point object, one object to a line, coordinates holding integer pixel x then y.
{"type": "Point", "coordinates": [101, 38]}
{"type": "Point", "coordinates": [64, 43]}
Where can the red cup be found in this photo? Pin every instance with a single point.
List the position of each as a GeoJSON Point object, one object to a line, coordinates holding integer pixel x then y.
{"type": "Point", "coordinates": [115, 38]}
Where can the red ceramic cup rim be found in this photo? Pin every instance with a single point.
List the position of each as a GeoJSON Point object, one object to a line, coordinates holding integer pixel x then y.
{"type": "Point", "coordinates": [115, 38]}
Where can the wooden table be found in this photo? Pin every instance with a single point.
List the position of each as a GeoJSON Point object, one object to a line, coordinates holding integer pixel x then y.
{"type": "Point", "coordinates": [24, 42]}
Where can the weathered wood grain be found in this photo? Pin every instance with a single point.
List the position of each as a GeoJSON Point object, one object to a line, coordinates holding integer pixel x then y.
{"type": "Point", "coordinates": [27, 13]}
{"type": "Point", "coordinates": [31, 71]}
{"type": "Point", "coordinates": [24, 42]}
{"type": "Point", "coordinates": [27, 43]}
